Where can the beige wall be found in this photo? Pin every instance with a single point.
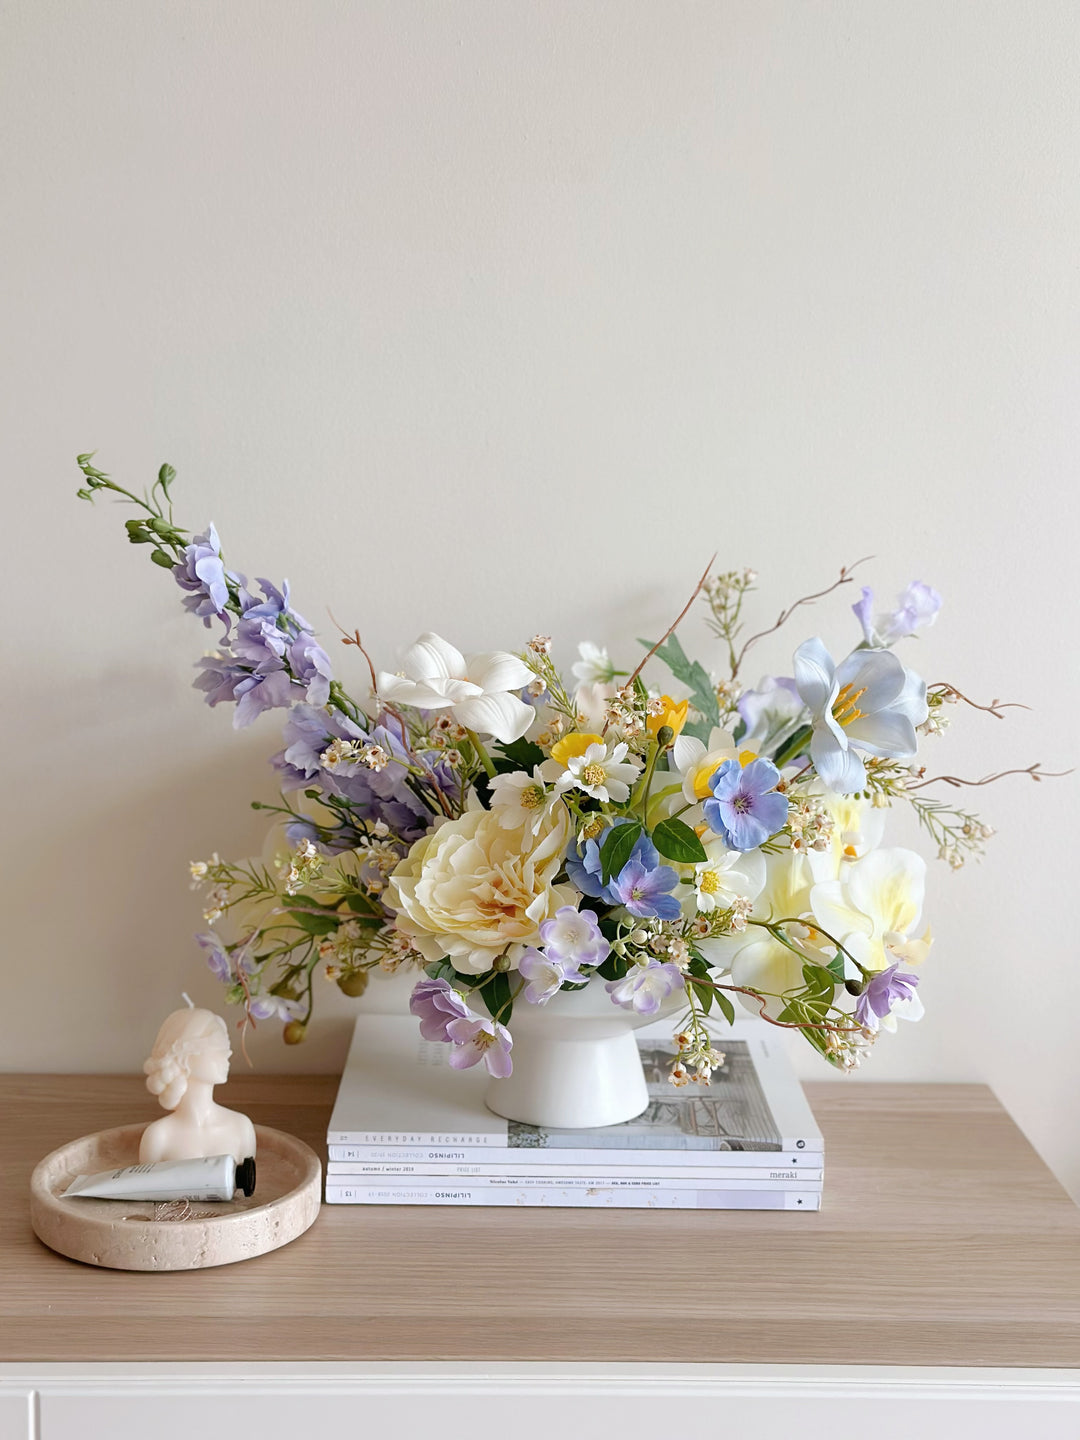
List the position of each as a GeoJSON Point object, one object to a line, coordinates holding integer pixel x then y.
{"type": "Point", "coordinates": [501, 317]}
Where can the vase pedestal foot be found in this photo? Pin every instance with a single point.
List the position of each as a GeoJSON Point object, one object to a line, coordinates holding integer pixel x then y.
{"type": "Point", "coordinates": [570, 1083]}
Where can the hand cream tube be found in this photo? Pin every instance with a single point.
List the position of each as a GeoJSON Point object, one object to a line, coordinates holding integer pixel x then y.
{"type": "Point", "coordinates": [214, 1177]}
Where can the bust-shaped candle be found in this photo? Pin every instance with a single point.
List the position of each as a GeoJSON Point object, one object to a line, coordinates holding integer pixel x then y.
{"type": "Point", "coordinates": [190, 1056]}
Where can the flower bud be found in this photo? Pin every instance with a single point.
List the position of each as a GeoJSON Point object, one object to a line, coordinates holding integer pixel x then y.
{"type": "Point", "coordinates": [664, 736]}
{"type": "Point", "coordinates": [501, 964]}
{"type": "Point", "coordinates": [353, 984]}
{"type": "Point", "coordinates": [159, 557]}
{"type": "Point", "coordinates": [294, 1032]}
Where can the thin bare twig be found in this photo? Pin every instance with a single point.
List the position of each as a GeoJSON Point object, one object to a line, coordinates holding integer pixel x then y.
{"type": "Point", "coordinates": [994, 708]}
{"type": "Point", "coordinates": [846, 572]}
{"type": "Point", "coordinates": [1035, 771]}
{"type": "Point", "coordinates": [354, 639]}
{"type": "Point", "coordinates": [673, 626]}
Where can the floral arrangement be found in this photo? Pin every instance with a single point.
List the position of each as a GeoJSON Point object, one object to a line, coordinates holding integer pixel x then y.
{"type": "Point", "coordinates": [509, 834]}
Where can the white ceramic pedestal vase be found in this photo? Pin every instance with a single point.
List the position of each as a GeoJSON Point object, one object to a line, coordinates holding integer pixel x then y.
{"type": "Point", "coordinates": [576, 1062]}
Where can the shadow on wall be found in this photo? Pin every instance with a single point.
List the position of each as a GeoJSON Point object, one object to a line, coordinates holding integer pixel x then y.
{"type": "Point", "coordinates": [102, 916]}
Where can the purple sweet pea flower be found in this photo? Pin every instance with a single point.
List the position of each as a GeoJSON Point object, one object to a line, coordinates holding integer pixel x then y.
{"type": "Point", "coordinates": [746, 807]}
{"type": "Point", "coordinates": [647, 892]}
{"type": "Point", "coordinates": [217, 957]}
{"type": "Point", "coordinates": [201, 572]}
{"type": "Point", "coordinates": [269, 1007]}
{"type": "Point", "coordinates": [261, 692]}
{"type": "Point", "coordinates": [885, 989]}
{"type": "Point", "coordinates": [572, 937]}
{"type": "Point", "coordinates": [917, 606]}
{"type": "Point", "coordinates": [310, 664]}
{"type": "Point", "coordinates": [479, 1039]}
{"type": "Point", "coordinates": [436, 1003]}
{"type": "Point", "coordinates": [545, 975]}
{"type": "Point", "coordinates": [646, 987]}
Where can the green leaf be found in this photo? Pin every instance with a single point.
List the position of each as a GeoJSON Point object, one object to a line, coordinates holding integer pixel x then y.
{"type": "Point", "coordinates": [676, 841]}
{"type": "Point", "coordinates": [724, 1004]}
{"type": "Point", "coordinates": [166, 475]}
{"type": "Point", "coordinates": [498, 998]}
{"type": "Point", "coordinates": [819, 981]}
{"type": "Point", "coordinates": [795, 746]}
{"type": "Point", "coordinates": [691, 673]}
{"type": "Point", "coordinates": [704, 994]}
{"type": "Point", "coordinates": [616, 848]}
{"type": "Point", "coordinates": [613, 968]}
{"type": "Point", "coordinates": [314, 924]}
{"type": "Point", "coordinates": [835, 968]}
{"type": "Point", "coordinates": [521, 754]}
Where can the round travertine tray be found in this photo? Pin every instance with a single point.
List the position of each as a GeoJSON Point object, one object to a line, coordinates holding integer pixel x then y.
{"type": "Point", "coordinates": [127, 1235]}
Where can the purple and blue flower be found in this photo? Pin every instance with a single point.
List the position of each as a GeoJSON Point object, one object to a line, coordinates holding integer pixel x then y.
{"type": "Point", "coordinates": [745, 808]}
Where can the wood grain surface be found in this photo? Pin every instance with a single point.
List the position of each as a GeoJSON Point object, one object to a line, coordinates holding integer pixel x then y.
{"type": "Point", "coordinates": [943, 1240]}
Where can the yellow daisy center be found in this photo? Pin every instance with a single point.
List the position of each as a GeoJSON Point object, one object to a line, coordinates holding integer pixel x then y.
{"type": "Point", "coordinates": [594, 774]}
{"type": "Point", "coordinates": [532, 797]}
{"type": "Point", "coordinates": [709, 883]}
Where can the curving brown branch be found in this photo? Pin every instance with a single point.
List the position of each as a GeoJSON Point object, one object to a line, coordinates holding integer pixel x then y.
{"type": "Point", "coordinates": [846, 572]}
{"type": "Point", "coordinates": [1035, 771]}
{"type": "Point", "coordinates": [673, 626]}
{"type": "Point", "coordinates": [942, 687]}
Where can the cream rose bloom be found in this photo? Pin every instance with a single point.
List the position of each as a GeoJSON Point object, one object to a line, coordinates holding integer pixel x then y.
{"type": "Point", "coordinates": [473, 889]}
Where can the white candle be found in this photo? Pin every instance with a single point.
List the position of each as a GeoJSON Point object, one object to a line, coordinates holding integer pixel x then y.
{"type": "Point", "coordinates": [190, 1056]}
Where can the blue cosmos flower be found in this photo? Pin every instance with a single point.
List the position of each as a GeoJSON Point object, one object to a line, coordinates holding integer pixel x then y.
{"type": "Point", "coordinates": [746, 807]}
{"type": "Point", "coordinates": [585, 871]}
{"type": "Point", "coordinates": [647, 893]}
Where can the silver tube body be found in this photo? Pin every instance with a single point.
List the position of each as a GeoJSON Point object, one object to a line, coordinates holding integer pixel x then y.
{"type": "Point", "coordinates": [212, 1177]}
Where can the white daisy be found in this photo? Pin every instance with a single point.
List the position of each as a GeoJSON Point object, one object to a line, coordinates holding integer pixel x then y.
{"type": "Point", "coordinates": [603, 774]}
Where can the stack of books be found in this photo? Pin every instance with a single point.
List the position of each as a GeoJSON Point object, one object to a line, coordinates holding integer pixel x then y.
{"type": "Point", "coordinates": [407, 1130]}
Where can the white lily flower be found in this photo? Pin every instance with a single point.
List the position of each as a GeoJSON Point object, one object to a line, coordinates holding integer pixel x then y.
{"type": "Point", "coordinates": [869, 702]}
{"type": "Point", "coordinates": [756, 959]}
{"type": "Point", "coordinates": [480, 693]}
{"type": "Point", "coordinates": [874, 907]}
{"type": "Point", "coordinates": [727, 876]}
{"type": "Point", "coordinates": [594, 667]}
{"type": "Point", "coordinates": [858, 828]}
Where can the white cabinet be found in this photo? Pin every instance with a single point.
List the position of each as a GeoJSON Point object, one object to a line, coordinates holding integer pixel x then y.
{"type": "Point", "coordinates": [532, 1402]}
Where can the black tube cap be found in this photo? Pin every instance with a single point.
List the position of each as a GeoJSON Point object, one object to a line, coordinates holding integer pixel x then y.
{"type": "Point", "coordinates": [245, 1175]}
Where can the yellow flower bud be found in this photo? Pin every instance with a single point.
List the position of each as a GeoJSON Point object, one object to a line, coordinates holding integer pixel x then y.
{"type": "Point", "coordinates": [673, 716]}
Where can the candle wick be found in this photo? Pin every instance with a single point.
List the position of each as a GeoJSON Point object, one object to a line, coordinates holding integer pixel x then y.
{"type": "Point", "coordinates": [185, 996]}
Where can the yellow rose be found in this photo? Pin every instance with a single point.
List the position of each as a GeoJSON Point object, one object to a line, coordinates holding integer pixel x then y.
{"type": "Point", "coordinates": [473, 889]}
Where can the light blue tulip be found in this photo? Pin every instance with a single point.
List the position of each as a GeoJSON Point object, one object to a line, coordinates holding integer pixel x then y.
{"type": "Point", "coordinates": [869, 702]}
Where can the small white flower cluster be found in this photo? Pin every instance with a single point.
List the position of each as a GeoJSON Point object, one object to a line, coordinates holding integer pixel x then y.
{"type": "Point", "coordinates": [217, 901]}
{"type": "Point", "coordinates": [849, 1048]}
{"type": "Point", "coordinates": [720, 590]}
{"type": "Point", "coordinates": [200, 870]}
{"type": "Point", "coordinates": [696, 1054]}
{"type": "Point", "coordinates": [727, 696]}
{"type": "Point", "coordinates": [956, 852]}
{"type": "Point", "coordinates": [810, 824]}
{"type": "Point", "coordinates": [625, 715]}
{"type": "Point", "coordinates": [344, 754]}
{"type": "Point", "coordinates": [346, 947]}
{"type": "Point", "coordinates": [396, 951]}
{"type": "Point", "coordinates": [934, 724]}
{"type": "Point", "coordinates": [302, 867]}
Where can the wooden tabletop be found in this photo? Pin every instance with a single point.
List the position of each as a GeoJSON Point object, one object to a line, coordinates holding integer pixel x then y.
{"type": "Point", "coordinates": [943, 1240]}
